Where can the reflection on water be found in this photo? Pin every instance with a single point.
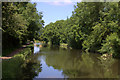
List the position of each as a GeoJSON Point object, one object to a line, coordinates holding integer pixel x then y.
{"type": "Point", "coordinates": [48, 71]}
{"type": "Point", "coordinates": [60, 63]}
{"type": "Point", "coordinates": [36, 47]}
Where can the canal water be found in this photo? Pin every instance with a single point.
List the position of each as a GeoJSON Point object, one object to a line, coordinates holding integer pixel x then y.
{"type": "Point", "coordinates": [65, 63]}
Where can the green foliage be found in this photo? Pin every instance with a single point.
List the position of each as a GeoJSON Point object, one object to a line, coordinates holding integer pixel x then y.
{"type": "Point", "coordinates": [75, 38]}
{"type": "Point", "coordinates": [21, 22]}
{"type": "Point", "coordinates": [21, 66]}
{"type": "Point", "coordinates": [90, 28]}
{"type": "Point", "coordinates": [13, 67]}
{"type": "Point", "coordinates": [93, 42]}
{"type": "Point", "coordinates": [111, 45]}
{"type": "Point", "coordinates": [53, 33]}
{"type": "Point", "coordinates": [13, 23]}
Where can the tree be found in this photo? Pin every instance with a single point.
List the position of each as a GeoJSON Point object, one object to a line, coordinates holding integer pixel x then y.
{"type": "Point", "coordinates": [21, 22]}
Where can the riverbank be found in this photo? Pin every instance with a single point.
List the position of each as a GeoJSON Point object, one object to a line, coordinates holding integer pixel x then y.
{"type": "Point", "coordinates": [23, 63]}
{"type": "Point", "coordinates": [12, 67]}
{"type": "Point", "coordinates": [20, 66]}
{"type": "Point", "coordinates": [16, 51]}
{"type": "Point", "coordinates": [12, 54]}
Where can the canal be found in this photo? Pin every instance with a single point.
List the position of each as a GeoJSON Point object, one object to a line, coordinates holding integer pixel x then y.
{"type": "Point", "coordinates": [66, 63]}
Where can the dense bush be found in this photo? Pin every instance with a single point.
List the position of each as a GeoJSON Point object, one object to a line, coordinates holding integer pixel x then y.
{"type": "Point", "coordinates": [111, 45]}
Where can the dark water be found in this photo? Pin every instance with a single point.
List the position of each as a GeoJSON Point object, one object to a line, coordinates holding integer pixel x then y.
{"type": "Point", "coordinates": [61, 63]}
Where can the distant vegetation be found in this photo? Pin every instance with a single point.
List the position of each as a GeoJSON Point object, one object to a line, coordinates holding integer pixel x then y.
{"type": "Point", "coordinates": [93, 27]}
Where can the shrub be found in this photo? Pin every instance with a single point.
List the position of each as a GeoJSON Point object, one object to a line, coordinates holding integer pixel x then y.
{"type": "Point", "coordinates": [111, 45]}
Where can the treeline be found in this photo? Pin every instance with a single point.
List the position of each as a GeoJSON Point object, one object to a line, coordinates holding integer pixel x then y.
{"type": "Point", "coordinates": [93, 27]}
{"type": "Point", "coordinates": [20, 22]}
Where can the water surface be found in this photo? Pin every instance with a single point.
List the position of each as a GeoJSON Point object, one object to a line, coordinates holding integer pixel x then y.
{"type": "Point", "coordinates": [63, 63]}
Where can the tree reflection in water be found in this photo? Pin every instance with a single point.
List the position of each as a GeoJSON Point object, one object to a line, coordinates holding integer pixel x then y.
{"type": "Point", "coordinates": [81, 66]}
{"type": "Point", "coordinates": [31, 67]}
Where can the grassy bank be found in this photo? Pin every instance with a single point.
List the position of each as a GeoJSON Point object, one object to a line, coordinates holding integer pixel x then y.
{"type": "Point", "coordinates": [12, 68]}
{"type": "Point", "coordinates": [23, 65]}
{"type": "Point", "coordinates": [10, 50]}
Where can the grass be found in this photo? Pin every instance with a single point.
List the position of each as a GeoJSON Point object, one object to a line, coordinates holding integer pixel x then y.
{"type": "Point", "coordinates": [12, 68]}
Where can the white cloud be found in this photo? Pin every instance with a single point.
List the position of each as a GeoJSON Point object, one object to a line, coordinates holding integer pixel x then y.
{"type": "Point", "coordinates": [58, 2]}
{"type": "Point", "coordinates": [61, 2]}
{"type": "Point", "coordinates": [68, 1]}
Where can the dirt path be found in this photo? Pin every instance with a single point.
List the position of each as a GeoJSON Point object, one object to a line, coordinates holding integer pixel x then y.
{"type": "Point", "coordinates": [5, 57]}
{"type": "Point", "coordinates": [13, 53]}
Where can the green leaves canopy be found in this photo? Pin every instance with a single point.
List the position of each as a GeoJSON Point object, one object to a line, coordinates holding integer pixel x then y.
{"type": "Point", "coordinates": [90, 27]}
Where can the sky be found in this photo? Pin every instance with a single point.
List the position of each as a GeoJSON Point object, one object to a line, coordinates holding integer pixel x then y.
{"type": "Point", "coordinates": [57, 10]}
